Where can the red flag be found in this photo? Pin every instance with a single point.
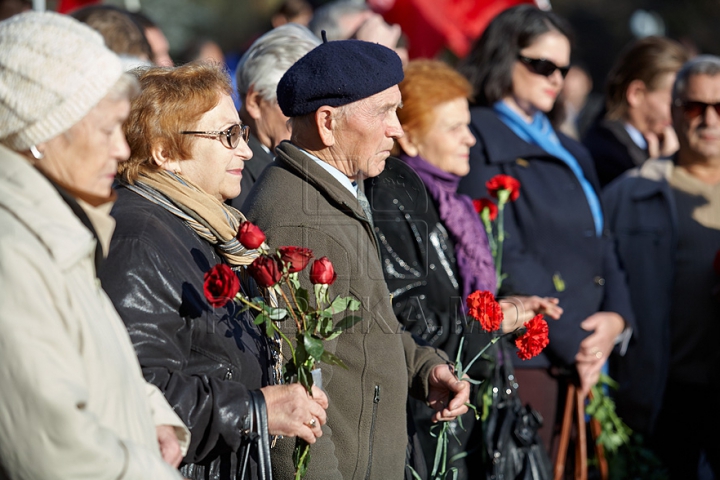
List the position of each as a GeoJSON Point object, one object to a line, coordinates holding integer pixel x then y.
{"type": "Point", "coordinates": [431, 25]}
{"type": "Point", "coordinates": [67, 6]}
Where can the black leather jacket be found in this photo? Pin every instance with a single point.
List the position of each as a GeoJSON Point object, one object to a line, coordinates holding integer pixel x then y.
{"type": "Point", "coordinates": [203, 359]}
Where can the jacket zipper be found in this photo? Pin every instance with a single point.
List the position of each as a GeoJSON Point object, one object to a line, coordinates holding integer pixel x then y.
{"type": "Point", "coordinates": [376, 400]}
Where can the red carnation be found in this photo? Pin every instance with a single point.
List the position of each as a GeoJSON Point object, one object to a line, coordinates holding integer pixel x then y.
{"type": "Point", "coordinates": [322, 272]}
{"type": "Point", "coordinates": [296, 258]}
{"type": "Point", "coordinates": [481, 204]}
{"type": "Point", "coordinates": [265, 270]}
{"type": "Point", "coordinates": [532, 342]}
{"type": "Point", "coordinates": [483, 308]}
{"type": "Point", "coordinates": [250, 236]}
{"type": "Point", "coordinates": [220, 285]}
{"type": "Point", "coordinates": [503, 182]}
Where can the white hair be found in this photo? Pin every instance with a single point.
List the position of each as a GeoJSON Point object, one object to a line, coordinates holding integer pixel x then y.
{"type": "Point", "coordinates": [328, 16]}
{"type": "Point", "coordinates": [270, 56]}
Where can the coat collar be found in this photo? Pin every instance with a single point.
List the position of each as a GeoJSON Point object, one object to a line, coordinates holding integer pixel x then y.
{"type": "Point", "coordinates": [32, 199]}
{"type": "Point", "coordinates": [657, 172]}
{"type": "Point", "coordinates": [503, 146]}
{"type": "Point", "coordinates": [302, 165]}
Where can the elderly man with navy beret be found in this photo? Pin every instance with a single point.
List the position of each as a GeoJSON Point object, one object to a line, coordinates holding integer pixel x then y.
{"type": "Point", "coordinates": [342, 99]}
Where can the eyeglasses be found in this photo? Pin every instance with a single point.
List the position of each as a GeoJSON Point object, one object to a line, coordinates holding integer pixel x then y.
{"type": "Point", "coordinates": [693, 109]}
{"type": "Point", "coordinates": [543, 67]}
{"type": "Point", "coordinates": [230, 138]}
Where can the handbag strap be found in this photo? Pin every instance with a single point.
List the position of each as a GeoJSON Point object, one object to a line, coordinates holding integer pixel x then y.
{"type": "Point", "coordinates": [256, 432]}
{"type": "Point", "coordinates": [263, 442]}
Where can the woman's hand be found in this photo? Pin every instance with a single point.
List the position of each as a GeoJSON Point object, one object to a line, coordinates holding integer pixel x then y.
{"type": "Point", "coordinates": [169, 445]}
{"type": "Point", "coordinates": [294, 413]}
{"type": "Point", "coordinates": [518, 310]}
{"type": "Point", "coordinates": [595, 349]}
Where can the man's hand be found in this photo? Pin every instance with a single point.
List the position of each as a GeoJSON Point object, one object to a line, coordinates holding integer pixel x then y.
{"type": "Point", "coordinates": [448, 395]}
{"type": "Point", "coordinates": [169, 445]}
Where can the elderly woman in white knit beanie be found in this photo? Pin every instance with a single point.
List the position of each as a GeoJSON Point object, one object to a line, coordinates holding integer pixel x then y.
{"type": "Point", "coordinates": [73, 402]}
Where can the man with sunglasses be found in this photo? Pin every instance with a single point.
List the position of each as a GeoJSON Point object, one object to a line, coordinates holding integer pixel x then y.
{"type": "Point", "coordinates": [666, 217]}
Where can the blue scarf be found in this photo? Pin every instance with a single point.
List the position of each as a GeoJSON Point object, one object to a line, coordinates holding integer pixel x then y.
{"type": "Point", "coordinates": [541, 133]}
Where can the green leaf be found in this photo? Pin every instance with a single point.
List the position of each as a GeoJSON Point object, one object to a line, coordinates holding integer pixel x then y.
{"type": "Point", "coordinates": [277, 313]}
{"type": "Point", "coordinates": [332, 359]}
{"type": "Point", "coordinates": [261, 318]}
{"type": "Point", "coordinates": [354, 304]}
{"type": "Point", "coordinates": [303, 300]}
{"type": "Point", "coordinates": [340, 304]}
{"type": "Point", "coordinates": [313, 345]}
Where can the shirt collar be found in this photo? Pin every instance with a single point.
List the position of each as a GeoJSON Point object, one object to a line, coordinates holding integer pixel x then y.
{"type": "Point", "coordinates": [635, 135]}
{"type": "Point", "coordinates": [337, 174]}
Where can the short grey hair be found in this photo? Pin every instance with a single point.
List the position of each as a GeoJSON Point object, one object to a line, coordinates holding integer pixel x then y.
{"type": "Point", "coordinates": [126, 88]}
{"type": "Point", "coordinates": [270, 56]}
{"type": "Point", "coordinates": [328, 18]}
{"type": "Point", "coordinates": [700, 65]}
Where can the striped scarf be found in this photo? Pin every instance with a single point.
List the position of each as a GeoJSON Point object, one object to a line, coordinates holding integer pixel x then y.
{"type": "Point", "coordinates": [211, 219]}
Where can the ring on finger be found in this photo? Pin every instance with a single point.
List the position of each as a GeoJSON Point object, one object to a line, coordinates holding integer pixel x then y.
{"type": "Point", "coordinates": [598, 354]}
{"type": "Point", "coordinates": [312, 423]}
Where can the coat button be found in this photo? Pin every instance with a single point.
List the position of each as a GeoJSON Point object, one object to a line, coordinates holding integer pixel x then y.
{"type": "Point", "coordinates": [228, 375]}
{"type": "Point", "coordinates": [599, 281]}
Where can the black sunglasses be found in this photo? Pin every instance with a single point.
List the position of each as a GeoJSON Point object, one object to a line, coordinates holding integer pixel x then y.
{"type": "Point", "coordinates": [230, 137]}
{"type": "Point", "coordinates": [693, 109]}
{"type": "Point", "coordinates": [543, 67]}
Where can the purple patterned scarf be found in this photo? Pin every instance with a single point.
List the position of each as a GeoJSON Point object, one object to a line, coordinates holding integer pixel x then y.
{"type": "Point", "coordinates": [472, 251]}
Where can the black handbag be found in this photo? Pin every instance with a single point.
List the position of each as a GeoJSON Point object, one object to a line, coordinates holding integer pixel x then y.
{"type": "Point", "coordinates": [513, 448]}
{"type": "Point", "coordinates": [258, 440]}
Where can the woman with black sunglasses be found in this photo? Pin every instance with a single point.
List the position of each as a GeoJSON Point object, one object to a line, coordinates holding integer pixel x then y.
{"type": "Point", "coordinates": [214, 366]}
{"type": "Point", "coordinates": [555, 244]}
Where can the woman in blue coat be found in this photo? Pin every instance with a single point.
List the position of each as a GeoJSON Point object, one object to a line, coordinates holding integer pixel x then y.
{"type": "Point", "coordinates": [556, 244]}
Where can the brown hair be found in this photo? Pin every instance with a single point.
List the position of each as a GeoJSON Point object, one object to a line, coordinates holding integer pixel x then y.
{"type": "Point", "coordinates": [427, 84]}
{"type": "Point", "coordinates": [121, 33]}
{"type": "Point", "coordinates": [171, 100]}
{"type": "Point", "coordinates": [646, 60]}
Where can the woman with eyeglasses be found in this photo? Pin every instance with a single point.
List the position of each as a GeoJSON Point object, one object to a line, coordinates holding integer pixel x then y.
{"type": "Point", "coordinates": [556, 243]}
{"type": "Point", "coordinates": [187, 154]}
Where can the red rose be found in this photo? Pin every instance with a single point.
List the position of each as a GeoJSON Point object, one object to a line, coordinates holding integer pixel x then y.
{"type": "Point", "coordinates": [265, 270]}
{"type": "Point", "coordinates": [503, 182]}
{"type": "Point", "coordinates": [533, 341]}
{"type": "Point", "coordinates": [481, 204]}
{"type": "Point", "coordinates": [322, 272]}
{"type": "Point", "coordinates": [296, 258]}
{"type": "Point", "coordinates": [483, 308]}
{"type": "Point", "coordinates": [220, 285]}
{"type": "Point", "coordinates": [250, 236]}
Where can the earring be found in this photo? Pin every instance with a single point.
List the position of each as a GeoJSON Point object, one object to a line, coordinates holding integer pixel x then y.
{"type": "Point", "coordinates": [36, 153]}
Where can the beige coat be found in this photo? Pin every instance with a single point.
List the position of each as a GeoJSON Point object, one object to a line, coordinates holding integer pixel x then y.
{"type": "Point", "coordinates": [73, 402]}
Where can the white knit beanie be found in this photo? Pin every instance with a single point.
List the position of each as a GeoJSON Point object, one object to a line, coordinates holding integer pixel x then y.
{"type": "Point", "coordinates": [53, 71]}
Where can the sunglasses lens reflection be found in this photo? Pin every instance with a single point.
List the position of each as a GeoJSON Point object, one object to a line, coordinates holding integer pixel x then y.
{"type": "Point", "coordinates": [695, 109]}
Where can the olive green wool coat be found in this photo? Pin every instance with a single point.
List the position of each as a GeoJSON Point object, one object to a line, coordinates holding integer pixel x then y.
{"type": "Point", "coordinates": [296, 202]}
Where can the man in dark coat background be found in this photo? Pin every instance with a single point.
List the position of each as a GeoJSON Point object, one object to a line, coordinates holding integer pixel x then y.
{"type": "Point", "coordinates": [666, 219]}
{"type": "Point", "coordinates": [342, 98]}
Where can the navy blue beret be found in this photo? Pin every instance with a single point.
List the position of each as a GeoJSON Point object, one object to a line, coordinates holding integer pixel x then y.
{"type": "Point", "coordinates": [337, 73]}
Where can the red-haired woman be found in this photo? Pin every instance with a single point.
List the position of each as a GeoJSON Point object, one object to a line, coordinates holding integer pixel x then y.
{"type": "Point", "coordinates": [187, 154]}
{"type": "Point", "coordinates": [435, 250]}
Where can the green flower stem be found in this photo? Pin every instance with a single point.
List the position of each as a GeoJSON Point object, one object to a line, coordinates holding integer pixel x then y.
{"type": "Point", "coordinates": [297, 305]}
{"type": "Point", "coordinates": [485, 217]}
{"type": "Point", "coordinates": [492, 342]}
{"type": "Point", "coordinates": [290, 309]}
{"type": "Point", "coordinates": [503, 196]}
{"type": "Point", "coordinates": [282, 335]}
